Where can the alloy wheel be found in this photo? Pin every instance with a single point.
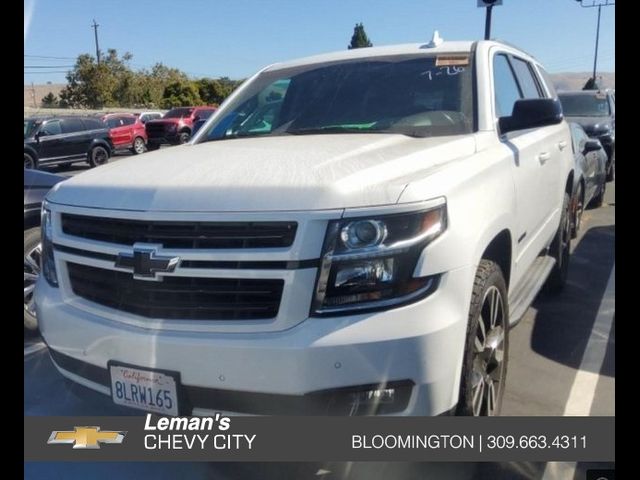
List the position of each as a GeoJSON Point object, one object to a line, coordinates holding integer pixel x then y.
{"type": "Point", "coordinates": [28, 162]}
{"type": "Point", "coordinates": [138, 145]}
{"type": "Point", "coordinates": [31, 273]}
{"type": "Point", "coordinates": [487, 375]}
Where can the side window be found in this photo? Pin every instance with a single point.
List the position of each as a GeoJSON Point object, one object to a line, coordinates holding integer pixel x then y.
{"type": "Point", "coordinates": [528, 83]}
{"type": "Point", "coordinates": [144, 118]}
{"type": "Point", "coordinates": [52, 127]}
{"type": "Point", "coordinates": [128, 120]}
{"type": "Point", "coordinates": [506, 89]}
{"type": "Point", "coordinates": [548, 81]}
{"type": "Point", "coordinates": [72, 125]}
{"type": "Point", "coordinates": [94, 124]}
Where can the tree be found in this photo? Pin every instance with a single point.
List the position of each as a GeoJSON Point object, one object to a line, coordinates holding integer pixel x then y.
{"type": "Point", "coordinates": [180, 94]}
{"type": "Point", "coordinates": [50, 100]}
{"type": "Point", "coordinates": [214, 91]}
{"type": "Point", "coordinates": [359, 38]}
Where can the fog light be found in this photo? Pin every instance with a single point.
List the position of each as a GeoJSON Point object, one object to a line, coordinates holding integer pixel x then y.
{"type": "Point", "coordinates": [365, 274]}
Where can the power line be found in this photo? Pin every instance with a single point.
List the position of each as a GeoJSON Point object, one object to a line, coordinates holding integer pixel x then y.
{"type": "Point", "coordinates": [48, 72]}
{"type": "Point", "coordinates": [48, 66]}
{"type": "Point", "coordinates": [45, 56]}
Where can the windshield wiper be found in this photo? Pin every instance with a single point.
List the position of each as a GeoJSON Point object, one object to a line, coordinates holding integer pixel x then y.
{"type": "Point", "coordinates": [333, 129]}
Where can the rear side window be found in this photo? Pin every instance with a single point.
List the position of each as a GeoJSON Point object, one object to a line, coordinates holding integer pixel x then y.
{"type": "Point", "coordinates": [506, 89]}
{"type": "Point", "coordinates": [72, 125]}
{"type": "Point", "coordinates": [113, 122]}
{"type": "Point", "coordinates": [128, 120]}
{"type": "Point", "coordinates": [528, 83]}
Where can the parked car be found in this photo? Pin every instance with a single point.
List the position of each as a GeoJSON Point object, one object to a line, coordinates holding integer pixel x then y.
{"type": "Point", "coordinates": [202, 119]}
{"type": "Point", "coordinates": [127, 132]}
{"type": "Point", "coordinates": [595, 110]}
{"type": "Point", "coordinates": [66, 140]}
{"type": "Point", "coordinates": [175, 127]}
{"type": "Point", "coordinates": [590, 178]}
{"type": "Point", "coordinates": [363, 249]}
{"type": "Point", "coordinates": [36, 186]}
{"type": "Point", "coordinates": [148, 115]}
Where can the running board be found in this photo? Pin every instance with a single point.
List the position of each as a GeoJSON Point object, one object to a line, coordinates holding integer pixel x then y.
{"type": "Point", "coordinates": [529, 287]}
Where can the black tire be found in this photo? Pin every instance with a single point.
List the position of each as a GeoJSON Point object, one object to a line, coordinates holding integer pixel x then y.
{"type": "Point", "coordinates": [98, 155]}
{"type": "Point", "coordinates": [598, 200]}
{"type": "Point", "coordinates": [184, 137]}
{"type": "Point", "coordinates": [577, 210]}
{"type": "Point", "coordinates": [611, 168]}
{"type": "Point", "coordinates": [485, 361]}
{"type": "Point", "coordinates": [30, 163]}
{"type": "Point", "coordinates": [31, 272]}
{"type": "Point", "coordinates": [560, 250]}
{"type": "Point", "coordinates": [152, 146]}
{"type": "Point", "coordinates": [138, 146]}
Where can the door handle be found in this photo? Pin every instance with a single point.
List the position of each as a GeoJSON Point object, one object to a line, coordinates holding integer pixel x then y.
{"type": "Point", "coordinates": [543, 157]}
{"type": "Point", "coordinates": [562, 145]}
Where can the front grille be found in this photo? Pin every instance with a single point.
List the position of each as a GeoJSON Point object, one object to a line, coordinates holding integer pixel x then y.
{"type": "Point", "coordinates": [183, 298]}
{"type": "Point", "coordinates": [181, 234]}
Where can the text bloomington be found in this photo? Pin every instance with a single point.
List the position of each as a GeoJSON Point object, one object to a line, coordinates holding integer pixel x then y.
{"type": "Point", "coordinates": [455, 442]}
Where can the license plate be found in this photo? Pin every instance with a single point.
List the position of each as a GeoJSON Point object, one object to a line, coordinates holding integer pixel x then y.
{"type": "Point", "coordinates": [149, 390]}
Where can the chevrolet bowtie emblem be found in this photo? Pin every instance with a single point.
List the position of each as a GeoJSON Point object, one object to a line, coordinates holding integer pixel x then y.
{"type": "Point", "coordinates": [145, 263]}
{"type": "Point", "coordinates": [86, 437]}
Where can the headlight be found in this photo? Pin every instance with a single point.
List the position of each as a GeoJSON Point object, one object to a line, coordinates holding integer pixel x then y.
{"type": "Point", "coordinates": [48, 264]}
{"type": "Point", "coordinates": [368, 263]}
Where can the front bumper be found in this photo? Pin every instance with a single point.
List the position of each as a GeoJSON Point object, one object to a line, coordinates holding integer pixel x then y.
{"type": "Point", "coordinates": [420, 345]}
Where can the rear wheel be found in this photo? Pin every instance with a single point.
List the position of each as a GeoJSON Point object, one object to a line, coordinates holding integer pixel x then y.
{"type": "Point", "coordinates": [98, 156]}
{"type": "Point", "coordinates": [484, 368]}
{"type": "Point", "coordinates": [29, 162]}
{"type": "Point", "coordinates": [138, 146]}
{"type": "Point", "coordinates": [598, 200]}
{"type": "Point", "coordinates": [560, 250]}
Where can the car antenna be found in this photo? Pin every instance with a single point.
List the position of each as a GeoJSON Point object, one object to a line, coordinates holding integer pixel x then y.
{"type": "Point", "coordinates": [436, 40]}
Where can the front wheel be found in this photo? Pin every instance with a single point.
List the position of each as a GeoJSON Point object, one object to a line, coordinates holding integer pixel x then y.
{"type": "Point", "coordinates": [98, 156]}
{"type": "Point", "coordinates": [32, 252]}
{"type": "Point", "coordinates": [484, 369]}
{"type": "Point", "coordinates": [578, 210]}
{"type": "Point", "coordinates": [560, 250]}
{"type": "Point", "coordinates": [598, 200]}
{"type": "Point", "coordinates": [611, 171]}
{"type": "Point", "coordinates": [29, 162]}
{"type": "Point", "coordinates": [184, 137]}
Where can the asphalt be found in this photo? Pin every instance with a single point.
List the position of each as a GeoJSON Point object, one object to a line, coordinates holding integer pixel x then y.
{"type": "Point", "coordinates": [551, 350]}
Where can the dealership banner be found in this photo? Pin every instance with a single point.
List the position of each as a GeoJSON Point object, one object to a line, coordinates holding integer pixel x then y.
{"type": "Point", "coordinates": [229, 438]}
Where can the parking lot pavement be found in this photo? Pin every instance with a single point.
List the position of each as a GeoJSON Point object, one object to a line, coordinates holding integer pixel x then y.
{"type": "Point", "coordinates": [561, 362]}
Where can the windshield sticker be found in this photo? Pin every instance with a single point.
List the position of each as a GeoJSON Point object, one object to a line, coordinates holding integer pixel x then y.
{"type": "Point", "coordinates": [451, 60]}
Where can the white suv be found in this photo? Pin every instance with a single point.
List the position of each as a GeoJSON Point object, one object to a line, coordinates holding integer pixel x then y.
{"type": "Point", "coordinates": [352, 233]}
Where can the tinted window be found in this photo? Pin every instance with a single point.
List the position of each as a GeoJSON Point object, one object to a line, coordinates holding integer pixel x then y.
{"type": "Point", "coordinates": [113, 122]}
{"type": "Point", "coordinates": [128, 120]}
{"type": "Point", "coordinates": [52, 127]}
{"type": "Point", "coordinates": [179, 113]}
{"type": "Point", "coordinates": [72, 125]}
{"type": "Point", "coordinates": [409, 94]}
{"type": "Point", "coordinates": [505, 86]}
{"type": "Point", "coordinates": [94, 124]}
{"type": "Point", "coordinates": [204, 114]}
{"type": "Point", "coordinates": [585, 105]}
{"type": "Point", "coordinates": [528, 83]}
{"type": "Point", "coordinates": [548, 81]}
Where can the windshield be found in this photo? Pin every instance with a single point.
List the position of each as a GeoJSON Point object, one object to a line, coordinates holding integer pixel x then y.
{"type": "Point", "coordinates": [410, 95]}
{"type": "Point", "coordinates": [178, 113]}
{"type": "Point", "coordinates": [30, 127]}
{"type": "Point", "coordinates": [585, 105]}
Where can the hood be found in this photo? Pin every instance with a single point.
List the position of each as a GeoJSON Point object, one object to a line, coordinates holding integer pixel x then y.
{"type": "Point", "coordinates": [589, 123]}
{"type": "Point", "coordinates": [306, 172]}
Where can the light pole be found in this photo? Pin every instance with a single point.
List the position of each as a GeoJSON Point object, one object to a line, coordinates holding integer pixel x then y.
{"type": "Point", "coordinates": [599, 4]}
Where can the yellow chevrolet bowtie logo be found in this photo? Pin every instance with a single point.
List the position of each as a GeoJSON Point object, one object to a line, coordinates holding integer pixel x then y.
{"type": "Point", "coordinates": [87, 437]}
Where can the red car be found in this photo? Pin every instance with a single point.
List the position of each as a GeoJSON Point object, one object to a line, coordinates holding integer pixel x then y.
{"type": "Point", "coordinates": [127, 132]}
{"type": "Point", "coordinates": [175, 126]}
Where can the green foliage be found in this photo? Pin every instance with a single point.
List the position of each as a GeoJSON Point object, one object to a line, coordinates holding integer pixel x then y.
{"type": "Point", "coordinates": [113, 83]}
{"type": "Point", "coordinates": [359, 38]}
{"type": "Point", "coordinates": [179, 94]}
{"type": "Point", "coordinates": [49, 100]}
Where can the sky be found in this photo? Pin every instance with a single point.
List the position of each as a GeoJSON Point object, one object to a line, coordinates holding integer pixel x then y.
{"type": "Point", "coordinates": [235, 38]}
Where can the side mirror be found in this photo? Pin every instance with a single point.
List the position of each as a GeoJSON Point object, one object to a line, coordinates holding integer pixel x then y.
{"type": "Point", "coordinates": [591, 146]}
{"type": "Point", "coordinates": [532, 113]}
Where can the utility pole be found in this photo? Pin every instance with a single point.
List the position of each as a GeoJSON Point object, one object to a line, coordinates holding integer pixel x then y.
{"type": "Point", "coordinates": [599, 4]}
{"type": "Point", "coordinates": [95, 32]}
{"type": "Point", "coordinates": [488, 4]}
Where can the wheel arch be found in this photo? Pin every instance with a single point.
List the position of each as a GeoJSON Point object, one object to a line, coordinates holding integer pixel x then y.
{"type": "Point", "coordinates": [500, 251]}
